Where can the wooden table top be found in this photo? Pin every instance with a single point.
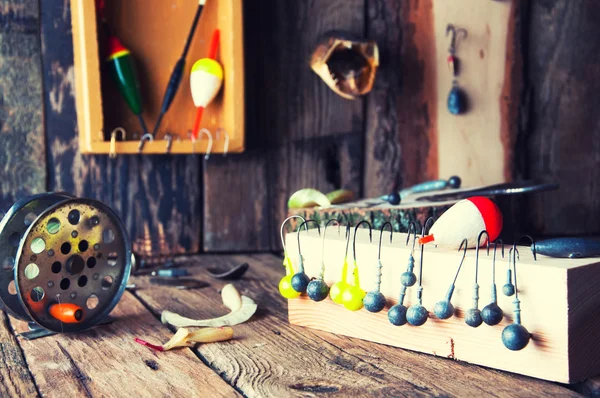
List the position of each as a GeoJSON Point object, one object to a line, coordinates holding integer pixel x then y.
{"type": "Point", "coordinates": [268, 356]}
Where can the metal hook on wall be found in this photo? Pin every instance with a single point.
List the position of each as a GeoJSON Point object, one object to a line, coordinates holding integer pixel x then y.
{"type": "Point", "coordinates": [145, 137]}
{"type": "Point", "coordinates": [226, 144]}
{"type": "Point", "coordinates": [113, 141]}
{"type": "Point", "coordinates": [210, 143]}
{"type": "Point", "coordinates": [169, 139]}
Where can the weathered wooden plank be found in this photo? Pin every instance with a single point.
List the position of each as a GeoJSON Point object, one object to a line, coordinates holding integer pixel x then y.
{"type": "Point", "coordinates": [106, 362]}
{"type": "Point", "coordinates": [270, 357]}
{"type": "Point", "coordinates": [236, 203]}
{"type": "Point", "coordinates": [158, 197]}
{"type": "Point", "coordinates": [562, 136]}
{"type": "Point", "coordinates": [400, 137]}
{"type": "Point", "coordinates": [301, 134]}
{"type": "Point", "coordinates": [22, 147]}
{"type": "Point", "coordinates": [15, 379]}
{"type": "Point", "coordinates": [471, 144]}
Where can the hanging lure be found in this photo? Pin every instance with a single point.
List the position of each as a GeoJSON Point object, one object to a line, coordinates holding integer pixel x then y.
{"type": "Point", "coordinates": [397, 313]}
{"type": "Point", "coordinates": [444, 309]}
{"type": "Point", "coordinates": [300, 279]}
{"type": "Point", "coordinates": [457, 99]}
{"type": "Point", "coordinates": [285, 284]}
{"type": "Point", "coordinates": [515, 336]}
{"type": "Point", "coordinates": [177, 74]}
{"type": "Point", "coordinates": [473, 316]}
{"type": "Point", "coordinates": [417, 314]}
{"type": "Point", "coordinates": [338, 288]}
{"type": "Point", "coordinates": [317, 289]}
{"type": "Point", "coordinates": [120, 64]}
{"type": "Point", "coordinates": [353, 295]}
{"type": "Point", "coordinates": [374, 301]}
{"type": "Point", "coordinates": [492, 313]}
{"type": "Point", "coordinates": [206, 80]}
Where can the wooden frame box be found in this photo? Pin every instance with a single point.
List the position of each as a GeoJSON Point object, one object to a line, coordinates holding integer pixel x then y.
{"type": "Point", "coordinates": [155, 35]}
{"type": "Point", "coordinates": [560, 299]}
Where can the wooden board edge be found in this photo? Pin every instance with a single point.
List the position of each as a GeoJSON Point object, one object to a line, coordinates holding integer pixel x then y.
{"type": "Point", "coordinates": [510, 98]}
{"type": "Point", "coordinates": [237, 106]}
{"type": "Point", "coordinates": [583, 286]}
{"type": "Point", "coordinates": [159, 147]}
{"type": "Point", "coordinates": [87, 73]}
{"type": "Point", "coordinates": [297, 306]}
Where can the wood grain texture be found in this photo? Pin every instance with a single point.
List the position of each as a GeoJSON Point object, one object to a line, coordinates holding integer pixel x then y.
{"type": "Point", "coordinates": [562, 137]}
{"type": "Point", "coordinates": [513, 89]}
{"type": "Point", "coordinates": [400, 136]}
{"type": "Point", "coordinates": [22, 147]}
{"type": "Point", "coordinates": [583, 345]}
{"type": "Point", "coordinates": [471, 144]}
{"type": "Point", "coordinates": [107, 362]}
{"type": "Point", "coordinates": [563, 343]}
{"type": "Point", "coordinates": [305, 134]}
{"type": "Point", "coordinates": [236, 203]}
{"type": "Point", "coordinates": [15, 378]}
{"type": "Point", "coordinates": [269, 357]}
{"type": "Point", "coordinates": [158, 197]}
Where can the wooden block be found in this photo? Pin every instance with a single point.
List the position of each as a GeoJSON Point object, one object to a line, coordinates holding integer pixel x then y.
{"type": "Point", "coordinates": [558, 300]}
{"type": "Point", "coordinates": [156, 35]}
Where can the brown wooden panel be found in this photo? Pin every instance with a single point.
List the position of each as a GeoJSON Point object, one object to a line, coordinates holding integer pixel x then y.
{"type": "Point", "coordinates": [22, 147]}
{"type": "Point", "coordinates": [563, 133]}
{"type": "Point", "coordinates": [15, 379]}
{"type": "Point", "coordinates": [157, 196]}
{"type": "Point", "coordinates": [107, 362]}
{"type": "Point", "coordinates": [270, 357]}
{"type": "Point", "coordinates": [236, 203]}
{"type": "Point", "coordinates": [300, 134]}
{"type": "Point", "coordinates": [401, 141]}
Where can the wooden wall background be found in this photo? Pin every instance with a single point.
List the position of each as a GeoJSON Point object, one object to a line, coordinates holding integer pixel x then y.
{"type": "Point", "coordinates": [300, 133]}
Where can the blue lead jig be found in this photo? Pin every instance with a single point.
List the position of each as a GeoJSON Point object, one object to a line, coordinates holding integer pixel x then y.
{"type": "Point", "coordinates": [457, 100]}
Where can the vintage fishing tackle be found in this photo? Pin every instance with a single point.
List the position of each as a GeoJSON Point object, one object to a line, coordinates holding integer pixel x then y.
{"type": "Point", "coordinates": [492, 313]}
{"type": "Point", "coordinates": [417, 314]}
{"type": "Point", "coordinates": [353, 295]}
{"type": "Point", "coordinates": [317, 289]}
{"type": "Point", "coordinates": [444, 309]}
{"type": "Point", "coordinates": [515, 336]}
{"type": "Point", "coordinates": [177, 74]}
{"type": "Point", "coordinates": [120, 64]}
{"type": "Point", "coordinates": [206, 80]}
{"type": "Point", "coordinates": [285, 284]}
{"type": "Point", "coordinates": [374, 301]}
{"type": "Point", "coordinates": [338, 288]}
{"type": "Point", "coordinates": [473, 315]}
{"type": "Point", "coordinates": [300, 279]}
{"type": "Point", "coordinates": [67, 262]}
{"type": "Point", "coordinates": [466, 219]}
{"type": "Point", "coordinates": [408, 278]}
{"type": "Point", "coordinates": [397, 313]}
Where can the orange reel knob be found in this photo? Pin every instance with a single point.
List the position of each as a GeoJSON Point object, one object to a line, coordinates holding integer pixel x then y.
{"type": "Point", "coordinates": [67, 312]}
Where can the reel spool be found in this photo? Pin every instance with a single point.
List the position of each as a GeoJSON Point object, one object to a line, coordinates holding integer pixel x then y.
{"type": "Point", "coordinates": [65, 262]}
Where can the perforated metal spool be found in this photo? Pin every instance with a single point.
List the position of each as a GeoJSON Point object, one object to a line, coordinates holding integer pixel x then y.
{"type": "Point", "coordinates": [80, 253]}
{"type": "Point", "coordinates": [12, 228]}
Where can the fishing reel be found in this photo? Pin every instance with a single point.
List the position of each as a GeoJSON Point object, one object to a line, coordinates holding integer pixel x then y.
{"type": "Point", "coordinates": [65, 262]}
